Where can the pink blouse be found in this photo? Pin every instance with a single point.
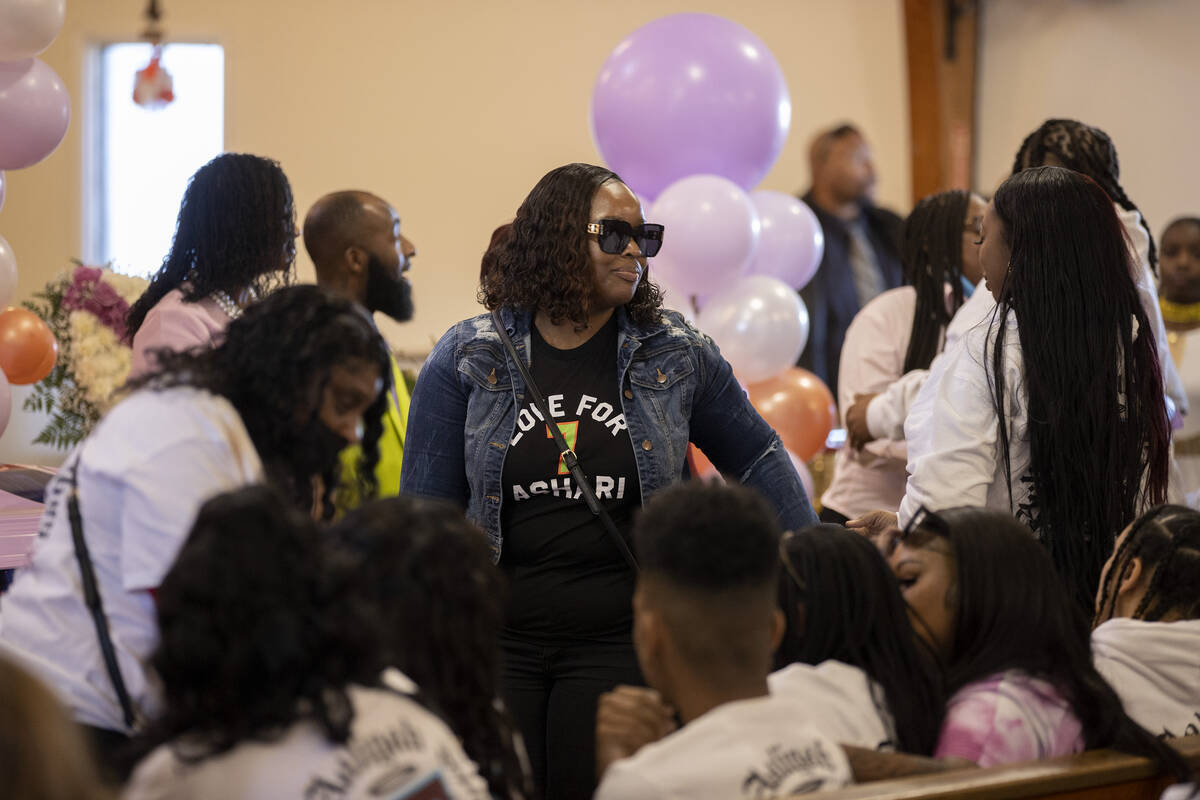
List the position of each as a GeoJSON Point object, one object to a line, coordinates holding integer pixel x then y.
{"type": "Point", "coordinates": [175, 325]}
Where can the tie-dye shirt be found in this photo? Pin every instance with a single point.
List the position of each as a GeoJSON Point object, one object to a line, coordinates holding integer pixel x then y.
{"type": "Point", "coordinates": [1006, 718]}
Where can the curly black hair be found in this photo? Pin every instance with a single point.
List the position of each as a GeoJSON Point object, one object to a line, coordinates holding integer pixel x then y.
{"type": "Point", "coordinates": [246, 646]}
{"type": "Point", "coordinates": [236, 230]}
{"type": "Point", "coordinates": [542, 264]}
{"type": "Point", "coordinates": [425, 575]}
{"type": "Point", "coordinates": [272, 366]}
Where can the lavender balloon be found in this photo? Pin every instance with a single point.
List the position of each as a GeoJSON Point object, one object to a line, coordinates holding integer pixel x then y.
{"type": "Point", "coordinates": [689, 94]}
{"type": "Point", "coordinates": [712, 231]}
{"type": "Point", "coordinates": [791, 242]}
{"type": "Point", "coordinates": [34, 112]}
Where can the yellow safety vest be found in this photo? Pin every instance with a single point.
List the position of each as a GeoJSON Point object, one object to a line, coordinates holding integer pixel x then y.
{"type": "Point", "coordinates": [391, 449]}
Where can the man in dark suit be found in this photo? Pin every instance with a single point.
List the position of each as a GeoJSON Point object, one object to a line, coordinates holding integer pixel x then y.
{"type": "Point", "coordinates": [862, 245]}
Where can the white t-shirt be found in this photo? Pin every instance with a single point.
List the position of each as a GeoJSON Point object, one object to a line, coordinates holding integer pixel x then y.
{"type": "Point", "coordinates": [144, 472]}
{"type": "Point", "coordinates": [1155, 669]}
{"type": "Point", "coordinates": [397, 749]}
{"type": "Point", "coordinates": [751, 749]}
{"type": "Point", "coordinates": [841, 701]}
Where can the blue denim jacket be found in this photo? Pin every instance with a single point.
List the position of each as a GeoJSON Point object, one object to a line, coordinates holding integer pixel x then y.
{"type": "Point", "coordinates": [675, 387]}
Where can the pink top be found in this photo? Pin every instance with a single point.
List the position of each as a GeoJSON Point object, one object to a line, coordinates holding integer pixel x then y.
{"type": "Point", "coordinates": [175, 325]}
{"type": "Point", "coordinates": [1007, 718]}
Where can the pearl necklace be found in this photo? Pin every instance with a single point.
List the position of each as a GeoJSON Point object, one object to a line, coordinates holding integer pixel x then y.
{"type": "Point", "coordinates": [226, 304]}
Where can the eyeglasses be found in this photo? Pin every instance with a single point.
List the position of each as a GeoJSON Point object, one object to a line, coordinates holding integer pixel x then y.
{"type": "Point", "coordinates": [924, 519]}
{"type": "Point", "coordinates": [613, 236]}
{"type": "Point", "coordinates": [787, 562]}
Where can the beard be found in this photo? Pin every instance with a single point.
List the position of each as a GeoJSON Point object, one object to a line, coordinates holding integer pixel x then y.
{"type": "Point", "coordinates": [387, 294]}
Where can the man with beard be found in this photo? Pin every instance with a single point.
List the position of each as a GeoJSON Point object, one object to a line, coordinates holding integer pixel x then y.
{"type": "Point", "coordinates": [354, 240]}
{"type": "Point", "coordinates": [296, 377]}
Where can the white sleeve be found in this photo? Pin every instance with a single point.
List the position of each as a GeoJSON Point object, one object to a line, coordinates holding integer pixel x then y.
{"type": "Point", "coordinates": [886, 412]}
{"type": "Point", "coordinates": [955, 463]}
{"type": "Point", "coordinates": [622, 783]}
{"type": "Point", "coordinates": [159, 501]}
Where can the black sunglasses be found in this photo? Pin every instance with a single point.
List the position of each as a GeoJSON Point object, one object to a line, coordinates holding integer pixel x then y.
{"type": "Point", "coordinates": [925, 520]}
{"type": "Point", "coordinates": [613, 236]}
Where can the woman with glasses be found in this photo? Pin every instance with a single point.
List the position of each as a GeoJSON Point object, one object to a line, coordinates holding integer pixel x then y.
{"type": "Point", "coordinates": [628, 385]}
{"type": "Point", "coordinates": [1017, 659]}
{"type": "Point", "coordinates": [900, 331]}
{"type": "Point", "coordinates": [1053, 411]}
{"type": "Point", "coordinates": [849, 651]}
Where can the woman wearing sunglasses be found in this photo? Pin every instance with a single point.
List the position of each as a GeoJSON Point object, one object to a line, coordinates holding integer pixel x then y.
{"type": "Point", "coordinates": [1017, 659]}
{"type": "Point", "coordinates": [1053, 410]}
{"type": "Point", "coordinates": [627, 384]}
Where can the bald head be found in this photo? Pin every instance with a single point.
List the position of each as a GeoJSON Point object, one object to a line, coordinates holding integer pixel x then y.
{"type": "Point", "coordinates": [842, 168]}
{"type": "Point", "coordinates": [340, 220]}
{"type": "Point", "coordinates": [354, 240]}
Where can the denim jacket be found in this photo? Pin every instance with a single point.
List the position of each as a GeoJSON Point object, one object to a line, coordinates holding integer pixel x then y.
{"type": "Point", "coordinates": [675, 387]}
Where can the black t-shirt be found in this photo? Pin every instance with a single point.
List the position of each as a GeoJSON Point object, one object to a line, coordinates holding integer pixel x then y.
{"type": "Point", "coordinates": [567, 579]}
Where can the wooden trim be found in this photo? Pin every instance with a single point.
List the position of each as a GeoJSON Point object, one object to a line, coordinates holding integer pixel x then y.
{"type": "Point", "coordinates": [1095, 774]}
{"type": "Point", "coordinates": [941, 38]}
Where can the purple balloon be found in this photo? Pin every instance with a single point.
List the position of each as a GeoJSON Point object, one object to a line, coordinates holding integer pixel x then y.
{"type": "Point", "coordinates": [690, 94]}
{"type": "Point", "coordinates": [34, 112]}
{"type": "Point", "coordinates": [791, 242]}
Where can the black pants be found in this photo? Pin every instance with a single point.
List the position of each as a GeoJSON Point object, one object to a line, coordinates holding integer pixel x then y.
{"type": "Point", "coordinates": [551, 691]}
{"type": "Point", "coordinates": [113, 752]}
{"type": "Point", "coordinates": [833, 517]}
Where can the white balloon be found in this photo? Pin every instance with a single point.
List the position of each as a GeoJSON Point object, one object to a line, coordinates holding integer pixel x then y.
{"type": "Point", "coordinates": [27, 27]}
{"type": "Point", "coordinates": [761, 326]}
{"type": "Point", "coordinates": [791, 242]}
{"type": "Point", "coordinates": [711, 233]}
{"type": "Point", "coordinates": [8, 273]}
{"type": "Point", "coordinates": [1, 191]}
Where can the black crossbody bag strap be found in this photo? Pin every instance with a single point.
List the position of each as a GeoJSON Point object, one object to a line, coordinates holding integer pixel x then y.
{"type": "Point", "coordinates": [91, 594]}
{"type": "Point", "coordinates": [570, 460]}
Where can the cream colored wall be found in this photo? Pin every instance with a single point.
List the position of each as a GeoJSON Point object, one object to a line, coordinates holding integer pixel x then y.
{"type": "Point", "coordinates": [451, 110]}
{"type": "Point", "coordinates": [1131, 67]}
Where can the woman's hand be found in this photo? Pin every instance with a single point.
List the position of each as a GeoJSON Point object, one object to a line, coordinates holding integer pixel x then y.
{"type": "Point", "coordinates": [857, 432]}
{"type": "Point", "coordinates": [874, 524]}
{"type": "Point", "coordinates": [627, 719]}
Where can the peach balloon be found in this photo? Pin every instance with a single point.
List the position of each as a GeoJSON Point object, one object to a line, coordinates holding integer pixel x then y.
{"type": "Point", "coordinates": [799, 407]}
{"type": "Point", "coordinates": [28, 350]}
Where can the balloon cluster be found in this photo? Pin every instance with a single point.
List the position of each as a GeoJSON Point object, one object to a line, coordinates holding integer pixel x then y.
{"type": "Point", "coordinates": [34, 112]}
{"type": "Point", "coordinates": [692, 111]}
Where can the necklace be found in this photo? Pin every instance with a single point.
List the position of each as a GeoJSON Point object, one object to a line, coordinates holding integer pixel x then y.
{"type": "Point", "coordinates": [231, 309]}
{"type": "Point", "coordinates": [1179, 313]}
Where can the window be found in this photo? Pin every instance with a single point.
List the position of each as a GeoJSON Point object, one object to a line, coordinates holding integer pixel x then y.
{"type": "Point", "coordinates": [141, 159]}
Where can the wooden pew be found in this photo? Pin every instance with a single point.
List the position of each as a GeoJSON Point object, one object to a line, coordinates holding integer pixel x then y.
{"type": "Point", "coordinates": [1095, 775]}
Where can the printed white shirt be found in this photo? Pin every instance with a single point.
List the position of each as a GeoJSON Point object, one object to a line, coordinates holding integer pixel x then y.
{"type": "Point", "coordinates": [143, 474]}
{"type": "Point", "coordinates": [1155, 669]}
{"type": "Point", "coordinates": [397, 749]}
{"type": "Point", "coordinates": [749, 749]}
{"type": "Point", "coordinates": [841, 701]}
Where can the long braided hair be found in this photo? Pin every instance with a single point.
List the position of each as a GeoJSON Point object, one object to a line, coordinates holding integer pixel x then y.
{"type": "Point", "coordinates": [1167, 541]}
{"type": "Point", "coordinates": [932, 257]}
{"type": "Point", "coordinates": [1085, 149]}
{"type": "Point", "coordinates": [1097, 424]}
{"type": "Point", "coordinates": [236, 230]}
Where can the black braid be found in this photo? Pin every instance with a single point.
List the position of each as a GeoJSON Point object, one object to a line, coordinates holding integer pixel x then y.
{"type": "Point", "coordinates": [932, 257]}
{"type": "Point", "coordinates": [1167, 540]}
{"type": "Point", "coordinates": [1085, 149]}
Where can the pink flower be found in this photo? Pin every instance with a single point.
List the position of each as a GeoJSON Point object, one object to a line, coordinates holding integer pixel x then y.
{"type": "Point", "coordinates": [88, 292]}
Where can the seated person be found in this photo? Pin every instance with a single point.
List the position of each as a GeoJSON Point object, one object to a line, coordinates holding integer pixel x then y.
{"type": "Point", "coordinates": [276, 401]}
{"type": "Point", "coordinates": [705, 625]}
{"type": "Point", "coordinates": [849, 653]}
{"type": "Point", "coordinates": [1147, 633]}
{"type": "Point", "coordinates": [985, 594]}
{"type": "Point", "coordinates": [267, 693]}
{"type": "Point", "coordinates": [425, 576]}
